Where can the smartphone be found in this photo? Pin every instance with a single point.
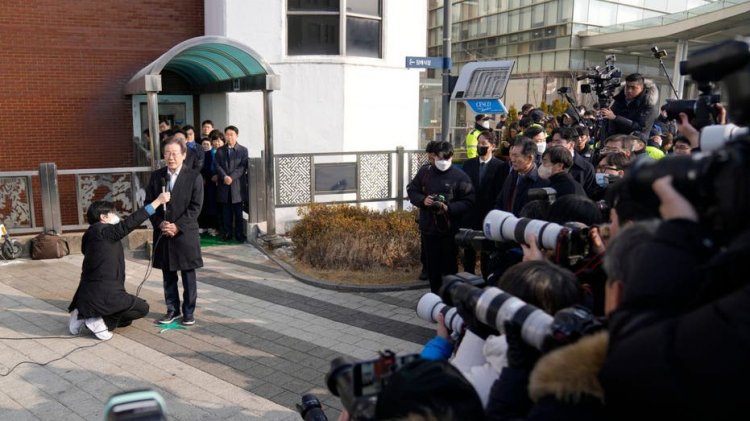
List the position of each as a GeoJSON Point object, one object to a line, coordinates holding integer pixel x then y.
{"type": "Point", "coordinates": [136, 405]}
{"type": "Point", "coordinates": [369, 377]}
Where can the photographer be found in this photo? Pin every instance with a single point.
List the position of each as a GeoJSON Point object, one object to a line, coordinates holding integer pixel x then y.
{"type": "Point", "coordinates": [684, 326]}
{"type": "Point", "coordinates": [443, 194]}
{"type": "Point", "coordinates": [635, 108]}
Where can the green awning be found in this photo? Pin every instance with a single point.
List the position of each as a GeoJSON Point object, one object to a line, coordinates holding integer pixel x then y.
{"type": "Point", "coordinates": [202, 61]}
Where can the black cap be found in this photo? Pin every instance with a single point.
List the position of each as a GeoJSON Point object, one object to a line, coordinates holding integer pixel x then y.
{"type": "Point", "coordinates": [480, 117]}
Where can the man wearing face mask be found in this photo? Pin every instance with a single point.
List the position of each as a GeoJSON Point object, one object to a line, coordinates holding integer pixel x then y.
{"type": "Point", "coordinates": [443, 194]}
{"type": "Point", "coordinates": [101, 302]}
{"type": "Point", "coordinates": [481, 123]}
{"type": "Point", "coordinates": [538, 135]}
{"type": "Point", "coordinates": [487, 175]}
{"type": "Point", "coordinates": [556, 162]}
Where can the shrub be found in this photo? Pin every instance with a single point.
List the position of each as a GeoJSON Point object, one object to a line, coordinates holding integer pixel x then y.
{"type": "Point", "coordinates": [347, 237]}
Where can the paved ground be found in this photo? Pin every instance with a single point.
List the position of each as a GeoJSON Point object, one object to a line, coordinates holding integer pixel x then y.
{"type": "Point", "coordinates": [262, 339]}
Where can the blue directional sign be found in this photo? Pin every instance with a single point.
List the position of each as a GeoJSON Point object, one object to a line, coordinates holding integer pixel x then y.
{"type": "Point", "coordinates": [487, 106]}
{"type": "Point", "coordinates": [424, 62]}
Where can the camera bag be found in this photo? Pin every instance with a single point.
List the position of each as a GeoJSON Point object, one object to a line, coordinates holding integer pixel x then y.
{"type": "Point", "coordinates": [49, 245]}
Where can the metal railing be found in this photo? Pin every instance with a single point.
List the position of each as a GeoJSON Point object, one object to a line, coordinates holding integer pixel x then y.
{"type": "Point", "coordinates": [301, 179]}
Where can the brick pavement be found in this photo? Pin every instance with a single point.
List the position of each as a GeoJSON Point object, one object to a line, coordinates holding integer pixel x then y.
{"type": "Point", "coordinates": [261, 340]}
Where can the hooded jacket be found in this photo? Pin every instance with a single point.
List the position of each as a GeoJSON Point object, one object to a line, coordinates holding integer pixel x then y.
{"type": "Point", "coordinates": [638, 115]}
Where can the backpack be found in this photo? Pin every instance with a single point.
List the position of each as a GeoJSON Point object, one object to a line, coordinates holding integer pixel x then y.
{"type": "Point", "coordinates": [49, 245]}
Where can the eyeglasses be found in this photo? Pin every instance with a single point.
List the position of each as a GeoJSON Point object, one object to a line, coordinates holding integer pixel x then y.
{"type": "Point", "coordinates": [172, 154]}
{"type": "Point", "coordinates": [605, 168]}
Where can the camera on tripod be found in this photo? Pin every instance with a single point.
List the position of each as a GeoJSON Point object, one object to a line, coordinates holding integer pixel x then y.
{"type": "Point", "coordinates": [603, 81]}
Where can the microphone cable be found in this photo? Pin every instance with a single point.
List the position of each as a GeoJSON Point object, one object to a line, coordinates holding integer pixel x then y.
{"type": "Point", "coordinates": [99, 342]}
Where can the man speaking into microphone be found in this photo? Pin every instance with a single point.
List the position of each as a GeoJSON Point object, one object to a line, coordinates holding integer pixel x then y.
{"type": "Point", "coordinates": [176, 238]}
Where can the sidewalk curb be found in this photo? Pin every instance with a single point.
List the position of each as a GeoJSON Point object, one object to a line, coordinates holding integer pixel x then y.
{"type": "Point", "coordinates": [306, 279]}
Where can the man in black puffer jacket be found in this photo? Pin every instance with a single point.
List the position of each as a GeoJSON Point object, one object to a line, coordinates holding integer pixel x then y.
{"type": "Point", "coordinates": [443, 193]}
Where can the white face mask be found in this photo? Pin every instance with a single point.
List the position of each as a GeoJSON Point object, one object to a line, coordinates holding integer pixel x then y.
{"type": "Point", "coordinates": [544, 171]}
{"type": "Point", "coordinates": [541, 147]}
{"type": "Point", "coordinates": [486, 124]}
{"type": "Point", "coordinates": [114, 219]}
{"type": "Point", "coordinates": [443, 164]}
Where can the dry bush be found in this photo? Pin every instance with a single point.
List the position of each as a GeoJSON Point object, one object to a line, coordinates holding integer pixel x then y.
{"type": "Point", "coordinates": [347, 237]}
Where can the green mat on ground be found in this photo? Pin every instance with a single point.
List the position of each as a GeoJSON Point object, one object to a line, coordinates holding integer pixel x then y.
{"type": "Point", "coordinates": [209, 241]}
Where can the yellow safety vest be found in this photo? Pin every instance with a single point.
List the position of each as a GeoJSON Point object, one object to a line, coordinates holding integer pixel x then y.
{"type": "Point", "coordinates": [472, 140]}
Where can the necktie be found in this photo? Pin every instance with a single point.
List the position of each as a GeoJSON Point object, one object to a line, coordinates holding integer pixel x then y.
{"type": "Point", "coordinates": [482, 171]}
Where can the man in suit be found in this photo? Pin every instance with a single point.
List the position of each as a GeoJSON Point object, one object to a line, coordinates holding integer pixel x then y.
{"type": "Point", "coordinates": [231, 168]}
{"type": "Point", "coordinates": [523, 176]}
{"type": "Point", "coordinates": [176, 239]}
{"type": "Point", "coordinates": [194, 157]}
{"type": "Point", "coordinates": [556, 162]}
{"type": "Point", "coordinates": [487, 175]}
{"type": "Point", "coordinates": [101, 302]}
{"type": "Point", "coordinates": [582, 170]}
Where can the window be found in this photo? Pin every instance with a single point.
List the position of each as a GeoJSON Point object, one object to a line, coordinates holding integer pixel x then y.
{"type": "Point", "coordinates": [314, 27]}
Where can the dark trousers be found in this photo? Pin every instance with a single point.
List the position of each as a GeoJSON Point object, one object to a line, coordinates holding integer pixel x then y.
{"type": "Point", "coordinates": [138, 310]}
{"type": "Point", "coordinates": [441, 251]}
{"type": "Point", "coordinates": [231, 214]}
{"type": "Point", "coordinates": [422, 254]}
{"type": "Point", "coordinates": [470, 261]}
{"type": "Point", "coordinates": [189, 291]}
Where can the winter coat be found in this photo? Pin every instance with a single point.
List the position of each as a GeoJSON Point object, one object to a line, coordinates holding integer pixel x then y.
{"type": "Point", "coordinates": [101, 291]}
{"type": "Point", "coordinates": [455, 187]}
{"type": "Point", "coordinates": [235, 167]}
{"type": "Point", "coordinates": [638, 115]}
{"type": "Point", "coordinates": [514, 194]}
{"type": "Point", "coordinates": [486, 190]}
{"type": "Point", "coordinates": [183, 251]}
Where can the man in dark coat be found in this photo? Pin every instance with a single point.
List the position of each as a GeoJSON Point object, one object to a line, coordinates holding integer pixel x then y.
{"type": "Point", "coordinates": [487, 175]}
{"type": "Point", "coordinates": [231, 168]}
{"type": "Point", "coordinates": [176, 238]}
{"type": "Point", "coordinates": [582, 170]}
{"type": "Point", "coordinates": [443, 194]}
{"type": "Point", "coordinates": [523, 176]}
{"type": "Point", "coordinates": [101, 302]}
{"type": "Point", "coordinates": [555, 164]}
{"type": "Point", "coordinates": [635, 108]}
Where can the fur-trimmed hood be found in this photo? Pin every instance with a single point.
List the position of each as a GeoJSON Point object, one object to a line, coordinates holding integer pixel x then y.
{"type": "Point", "coordinates": [571, 372]}
{"type": "Point", "coordinates": [650, 93]}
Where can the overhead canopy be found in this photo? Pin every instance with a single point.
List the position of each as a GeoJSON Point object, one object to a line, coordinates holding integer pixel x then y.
{"type": "Point", "coordinates": [209, 64]}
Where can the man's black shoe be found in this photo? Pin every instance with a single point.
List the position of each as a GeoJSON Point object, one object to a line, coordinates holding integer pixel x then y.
{"type": "Point", "coordinates": [188, 320]}
{"type": "Point", "coordinates": [169, 317]}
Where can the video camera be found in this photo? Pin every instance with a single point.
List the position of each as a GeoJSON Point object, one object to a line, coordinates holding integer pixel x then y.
{"type": "Point", "coordinates": [717, 183]}
{"type": "Point", "coordinates": [358, 383]}
{"type": "Point", "coordinates": [603, 81]}
{"type": "Point", "coordinates": [724, 61]}
{"type": "Point", "coordinates": [493, 307]}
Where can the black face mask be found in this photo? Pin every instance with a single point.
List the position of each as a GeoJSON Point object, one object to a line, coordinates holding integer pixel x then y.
{"type": "Point", "coordinates": [482, 150]}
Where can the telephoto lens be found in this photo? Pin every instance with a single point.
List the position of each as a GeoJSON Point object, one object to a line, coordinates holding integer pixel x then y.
{"type": "Point", "coordinates": [310, 408]}
{"type": "Point", "coordinates": [430, 305]}
{"type": "Point", "coordinates": [493, 307]}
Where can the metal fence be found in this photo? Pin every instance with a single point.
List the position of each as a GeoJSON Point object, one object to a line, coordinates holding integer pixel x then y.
{"type": "Point", "coordinates": [300, 179]}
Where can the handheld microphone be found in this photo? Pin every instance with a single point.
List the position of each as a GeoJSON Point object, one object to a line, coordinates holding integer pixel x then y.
{"type": "Point", "coordinates": [163, 190]}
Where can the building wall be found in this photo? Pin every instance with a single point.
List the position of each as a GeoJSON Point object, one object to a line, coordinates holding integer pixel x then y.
{"type": "Point", "coordinates": [63, 65]}
{"type": "Point", "coordinates": [63, 68]}
{"type": "Point", "coordinates": [327, 103]}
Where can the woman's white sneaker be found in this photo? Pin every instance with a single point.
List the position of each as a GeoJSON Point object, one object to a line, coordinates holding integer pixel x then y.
{"type": "Point", "coordinates": [74, 324]}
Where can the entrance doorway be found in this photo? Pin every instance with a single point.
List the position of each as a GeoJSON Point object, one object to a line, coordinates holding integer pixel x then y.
{"type": "Point", "coordinates": [176, 109]}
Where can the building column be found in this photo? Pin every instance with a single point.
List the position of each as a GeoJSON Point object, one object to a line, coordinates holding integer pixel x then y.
{"type": "Point", "coordinates": [680, 54]}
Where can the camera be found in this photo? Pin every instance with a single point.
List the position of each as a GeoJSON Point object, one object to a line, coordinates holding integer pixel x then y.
{"type": "Point", "coordinates": [136, 405]}
{"type": "Point", "coordinates": [700, 111]}
{"type": "Point", "coordinates": [545, 194]}
{"type": "Point", "coordinates": [357, 383]}
{"type": "Point", "coordinates": [310, 408]}
{"type": "Point", "coordinates": [603, 81]}
{"type": "Point", "coordinates": [658, 54]}
{"type": "Point", "coordinates": [437, 199]}
{"type": "Point", "coordinates": [493, 307]}
{"type": "Point", "coordinates": [570, 242]}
